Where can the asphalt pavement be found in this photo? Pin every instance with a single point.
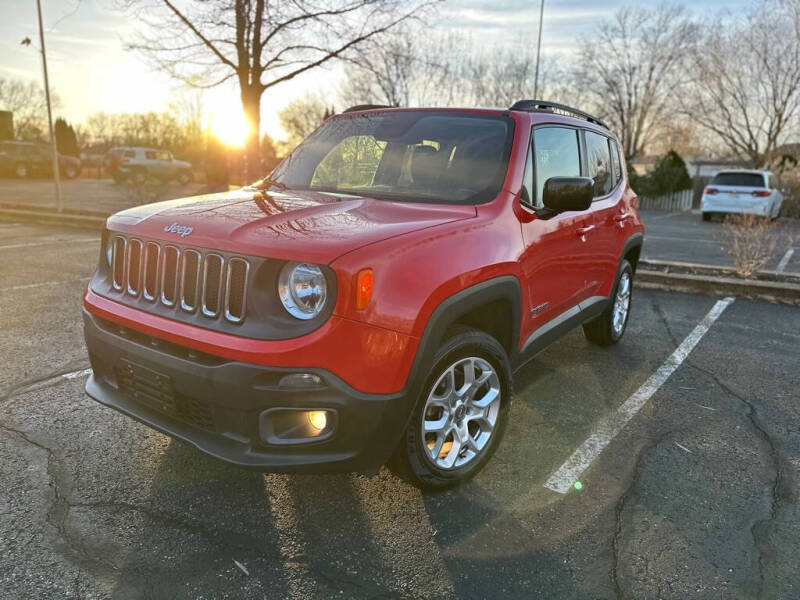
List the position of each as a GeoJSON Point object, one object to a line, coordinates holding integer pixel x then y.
{"type": "Point", "coordinates": [685, 237]}
{"type": "Point", "coordinates": [696, 496]}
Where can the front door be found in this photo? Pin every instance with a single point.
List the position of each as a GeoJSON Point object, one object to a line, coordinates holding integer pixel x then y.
{"type": "Point", "coordinates": [554, 262]}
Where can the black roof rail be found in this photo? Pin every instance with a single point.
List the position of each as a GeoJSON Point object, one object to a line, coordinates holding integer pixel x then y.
{"type": "Point", "coordinates": [544, 105]}
{"type": "Point", "coordinates": [359, 107]}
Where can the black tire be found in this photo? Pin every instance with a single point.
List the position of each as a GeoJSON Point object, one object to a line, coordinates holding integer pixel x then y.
{"type": "Point", "coordinates": [706, 216]}
{"type": "Point", "coordinates": [412, 459]}
{"type": "Point", "coordinates": [601, 330]}
{"type": "Point", "coordinates": [70, 172]}
{"type": "Point", "coordinates": [184, 177]}
{"type": "Point", "coordinates": [21, 170]}
{"type": "Point", "coordinates": [139, 176]}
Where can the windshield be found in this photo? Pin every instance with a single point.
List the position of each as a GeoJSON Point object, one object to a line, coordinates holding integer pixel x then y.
{"type": "Point", "coordinates": [422, 156]}
{"type": "Point", "coordinates": [740, 179]}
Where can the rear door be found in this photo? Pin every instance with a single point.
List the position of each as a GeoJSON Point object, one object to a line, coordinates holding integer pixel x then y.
{"type": "Point", "coordinates": [612, 221]}
{"type": "Point", "coordinates": [555, 255]}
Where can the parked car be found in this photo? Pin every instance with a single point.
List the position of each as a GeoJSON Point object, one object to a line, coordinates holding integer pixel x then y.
{"type": "Point", "coordinates": [742, 192]}
{"type": "Point", "coordinates": [30, 159]}
{"type": "Point", "coordinates": [137, 164]}
{"type": "Point", "coordinates": [370, 299]}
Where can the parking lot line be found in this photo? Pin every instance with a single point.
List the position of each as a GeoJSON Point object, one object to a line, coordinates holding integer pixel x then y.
{"type": "Point", "coordinates": [684, 239]}
{"type": "Point", "coordinates": [567, 474]}
{"type": "Point", "coordinates": [28, 286]}
{"type": "Point", "coordinates": [34, 244]}
{"type": "Point", "coordinates": [785, 260]}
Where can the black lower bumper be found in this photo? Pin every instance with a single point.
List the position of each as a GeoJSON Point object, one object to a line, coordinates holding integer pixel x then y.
{"type": "Point", "coordinates": [215, 404]}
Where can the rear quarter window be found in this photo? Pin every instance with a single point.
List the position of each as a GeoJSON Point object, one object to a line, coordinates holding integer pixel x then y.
{"type": "Point", "coordinates": [739, 179]}
{"type": "Point", "coordinates": [599, 160]}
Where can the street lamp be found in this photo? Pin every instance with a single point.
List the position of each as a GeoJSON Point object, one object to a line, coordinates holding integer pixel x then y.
{"type": "Point", "coordinates": [56, 178]}
{"type": "Point", "coordinates": [538, 51]}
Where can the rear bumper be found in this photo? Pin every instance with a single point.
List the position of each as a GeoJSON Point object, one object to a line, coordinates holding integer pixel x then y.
{"type": "Point", "coordinates": [756, 206]}
{"type": "Point", "coordinates": [216, 404]}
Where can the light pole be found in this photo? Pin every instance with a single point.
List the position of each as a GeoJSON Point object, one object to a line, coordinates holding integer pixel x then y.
{"type": "Point", "coordinates": [56, 178]}
{"type": "Point", "coordinates": [538, 52]}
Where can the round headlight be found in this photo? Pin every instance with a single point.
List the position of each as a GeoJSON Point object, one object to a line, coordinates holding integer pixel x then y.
{"type": "Point", "coordinates": [302, 289]}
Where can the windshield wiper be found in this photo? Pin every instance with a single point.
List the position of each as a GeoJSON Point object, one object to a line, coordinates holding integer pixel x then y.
{"type": "Point", "coordinates": [266, 183]}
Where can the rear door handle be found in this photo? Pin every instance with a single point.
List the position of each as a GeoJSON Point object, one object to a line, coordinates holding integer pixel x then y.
{"type": "Point", "coordinates": [581, 231]}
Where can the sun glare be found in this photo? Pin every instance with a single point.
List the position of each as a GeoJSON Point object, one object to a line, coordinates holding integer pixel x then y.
{"type": "Point", "coordinates": [230, 127]}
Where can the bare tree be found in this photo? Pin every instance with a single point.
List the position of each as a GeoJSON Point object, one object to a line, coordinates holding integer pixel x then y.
{"type": "Point", "coordinates": [747, 80]}
{"type": "Point", "coordinates": [260, 43]}
{"type": "Point", "coordinates": [27, 101]}
{"type": "Point", "coordinates": [302, 116]}
{"type": "Point", "coordinates": [630, 70]}
{"type": "Point", "coordinates": [416, 68]}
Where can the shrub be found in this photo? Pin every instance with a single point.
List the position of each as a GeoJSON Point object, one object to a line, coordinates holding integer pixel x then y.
{"type": "Point", "coordinates": [669, 175]}
{"type": "Point", "coordinates": [751, 242]}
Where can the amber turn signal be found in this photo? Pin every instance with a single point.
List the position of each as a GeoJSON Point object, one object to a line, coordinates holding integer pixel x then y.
{"type": "Point", "coordinates": [363, 288]}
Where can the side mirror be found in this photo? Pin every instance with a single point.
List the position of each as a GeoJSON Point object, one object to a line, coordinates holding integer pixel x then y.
{"type": "Point", "coordinates": [562, 194]}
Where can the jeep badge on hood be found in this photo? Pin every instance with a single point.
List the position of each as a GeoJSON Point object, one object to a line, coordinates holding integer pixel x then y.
{"type": "Point", "coordinates": [181, 230]}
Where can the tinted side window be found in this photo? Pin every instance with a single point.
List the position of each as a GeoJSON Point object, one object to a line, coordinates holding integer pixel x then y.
{"type": "Point", "coordinates": [599, 161]}
{"type": "Point", "coordinates": [129, 154]}
{"type": "Point", "coordinates": [557, 155]}
{"type": "Point", "coordinates": [616, 163]}
{"type": "Point", "coordinates": [150, 155]}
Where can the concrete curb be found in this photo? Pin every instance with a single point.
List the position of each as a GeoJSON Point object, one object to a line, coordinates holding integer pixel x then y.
{"type": "Point", "coordinates": [783, 291]}
{"type": "Point", "coordinates": [69, 219]}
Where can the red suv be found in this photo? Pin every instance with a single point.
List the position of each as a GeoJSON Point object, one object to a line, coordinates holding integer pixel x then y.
{"type": "Point", "coordinates": [372, 297]}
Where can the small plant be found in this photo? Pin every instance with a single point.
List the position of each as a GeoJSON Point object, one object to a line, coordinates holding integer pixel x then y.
{"type": "Point", "coordinates": [751, 242]}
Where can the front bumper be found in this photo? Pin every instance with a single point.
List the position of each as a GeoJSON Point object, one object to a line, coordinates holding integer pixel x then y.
{"type": "Point", "coordinates": [215, 404]}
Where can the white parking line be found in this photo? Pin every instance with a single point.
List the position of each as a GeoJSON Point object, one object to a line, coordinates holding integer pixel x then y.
{"type": "Point", "coordinates": [683, 239]}
{"type": "Point", "coordinates": [34, 244]}
{"type": "Point", "coordinates": [77, 374]}
{"type": "Point", "coordinates": [567, 474]}
{"type": "Point", "coordinates": [43, 284]}
{"type": "Point", "coordinates": [785, 260]}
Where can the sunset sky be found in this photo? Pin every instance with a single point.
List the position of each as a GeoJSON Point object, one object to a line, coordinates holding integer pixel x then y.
{"type": "Point", "coordinates": [91, 71]}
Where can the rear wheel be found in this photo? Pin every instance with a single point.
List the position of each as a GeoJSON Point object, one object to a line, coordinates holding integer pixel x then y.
{"type": "Point", "coordinates": [139, 176]}
{"type": "Point", "coordinates": [21, 170]}
{"type": "Point", "coordinates": [706, 216]}
{"type": "Point", "coordinates": [460, 419]}
{"type": "Point", "coordinates": [70, 172]}
{"type": "Point", "coordinates": [608, 328]}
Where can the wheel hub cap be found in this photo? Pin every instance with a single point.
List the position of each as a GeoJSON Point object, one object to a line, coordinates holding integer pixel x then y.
{"type": "Point", "coordinates": [461, 412]}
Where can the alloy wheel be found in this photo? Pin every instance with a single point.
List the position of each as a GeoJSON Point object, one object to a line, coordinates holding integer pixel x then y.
{"type": "Point", "coordinates": [461, 413]}
{"type": "Point", "coordinates": [622, 303]}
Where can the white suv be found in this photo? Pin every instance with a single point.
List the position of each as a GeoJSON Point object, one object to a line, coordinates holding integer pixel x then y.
{"type": "Point", "coordinates": [742, 192]}
{"type": "Point", "coordinates": [131, 163]}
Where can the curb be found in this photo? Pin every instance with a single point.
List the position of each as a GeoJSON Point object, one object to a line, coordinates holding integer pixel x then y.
{"type": "Point", "coordinates": [85, 221]}
{"type": "Point", "coordinates": [782, 292]}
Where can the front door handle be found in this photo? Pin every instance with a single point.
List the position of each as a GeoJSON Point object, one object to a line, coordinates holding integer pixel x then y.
{"type": "Point", "coordinates": [582, 231]}
{"type": "Point", "coordinates": [622, 217]}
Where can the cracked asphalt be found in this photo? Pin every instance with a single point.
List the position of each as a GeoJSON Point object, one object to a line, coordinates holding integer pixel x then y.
{"type": "Point", "coordinates": [697, 497]}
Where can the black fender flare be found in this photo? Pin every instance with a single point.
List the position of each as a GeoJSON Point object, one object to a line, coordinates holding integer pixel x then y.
{"type": "Point", "coordinates": [505, 287]}
{"type": "Point", "coordinates": [636, 240]}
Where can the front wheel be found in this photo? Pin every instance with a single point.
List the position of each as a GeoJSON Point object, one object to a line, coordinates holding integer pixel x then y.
{"type": "Point", "coordinates": [608, 328]}
{"type": "Point", "coordinates": [184, 177]}
{"type": "Point", "coordinates": [460, 419]}
{"type": "Point", "coordinates": [21, 170]}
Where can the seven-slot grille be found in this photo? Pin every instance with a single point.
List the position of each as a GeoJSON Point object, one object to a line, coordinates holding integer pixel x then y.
{"type": "Point", "coordinates": [180, 278]}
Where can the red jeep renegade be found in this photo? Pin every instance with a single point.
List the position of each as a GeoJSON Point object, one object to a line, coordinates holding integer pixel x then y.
{"type": "Point", "coordinates": [372, 297]}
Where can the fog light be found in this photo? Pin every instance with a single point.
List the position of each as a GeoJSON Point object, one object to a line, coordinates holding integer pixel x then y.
{"type": "Point", "coordinates": [301, 380]}
{"type": "Point", "coordinates": [318, 419]}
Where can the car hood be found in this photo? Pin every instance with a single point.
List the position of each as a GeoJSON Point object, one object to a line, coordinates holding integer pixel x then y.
{"type": "Point", "coordinates": [298, 225]}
